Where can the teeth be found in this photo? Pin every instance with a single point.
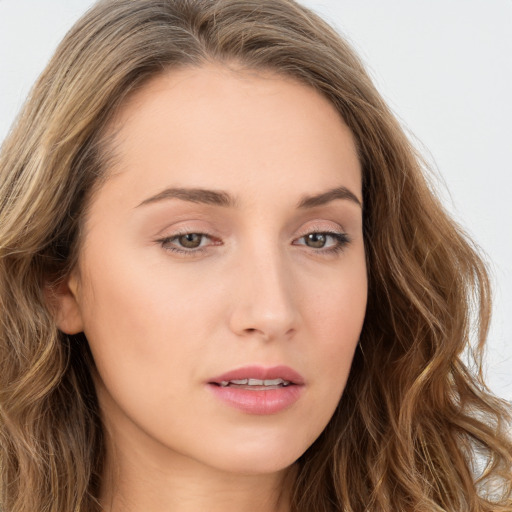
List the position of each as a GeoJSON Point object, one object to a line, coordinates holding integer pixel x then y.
{"type": "Point", "coordinates": [276, 382]}
{"type": "Point", "coordinates": [255, 382]}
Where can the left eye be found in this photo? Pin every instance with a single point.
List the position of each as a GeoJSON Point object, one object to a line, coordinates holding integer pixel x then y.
{"type": "Point", "coordinates": [324, 240]}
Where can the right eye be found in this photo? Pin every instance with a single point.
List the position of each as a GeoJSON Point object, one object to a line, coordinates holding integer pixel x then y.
{"type": "Point", "coordinates": [187, 243]}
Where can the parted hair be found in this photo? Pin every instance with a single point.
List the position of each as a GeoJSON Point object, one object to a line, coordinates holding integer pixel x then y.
{"type": "Point", "coordinates": [416, 428]}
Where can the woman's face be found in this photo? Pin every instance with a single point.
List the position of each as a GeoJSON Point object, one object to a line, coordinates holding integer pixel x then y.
{"type": "Point", "coordinates": [225, 245]}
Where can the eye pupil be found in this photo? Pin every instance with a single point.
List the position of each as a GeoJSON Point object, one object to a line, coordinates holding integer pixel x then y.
{"type": "Point", "coordinates": [190, 240]}
{"type": "Point", "coordinates": [316, 240]}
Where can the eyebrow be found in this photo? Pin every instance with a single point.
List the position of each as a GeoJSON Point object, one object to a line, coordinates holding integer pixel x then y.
{"type": "Point", "coordinates": [221, 198]}
{"type": "Point", "coordinates": [193, 195]}
{"type": "Point", "coordinates": [327, 197]}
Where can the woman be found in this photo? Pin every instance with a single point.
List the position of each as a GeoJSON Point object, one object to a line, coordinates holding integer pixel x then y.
{"type": "Point", "coordinates": [225, 283]}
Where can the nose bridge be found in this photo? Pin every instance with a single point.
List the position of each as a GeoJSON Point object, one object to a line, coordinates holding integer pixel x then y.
{"type": "Point", "coordinates": [264, 303]}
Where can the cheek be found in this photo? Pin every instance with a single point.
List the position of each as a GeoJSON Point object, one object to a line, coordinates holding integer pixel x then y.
{"type": "Point", "coordinates": [336, 318]}
{"type": "Point", "coordinates": [145, 344]}
{"type": "Point", "coordinates": [126, 319]}
{"type": "Point", "coordinates": [146, 326]}
{"type": "Point", "coordinates": [338, 307]}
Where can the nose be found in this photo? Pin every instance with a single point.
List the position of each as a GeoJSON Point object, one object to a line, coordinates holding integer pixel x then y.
{"type": "Point", "coordinates": [264, 304]}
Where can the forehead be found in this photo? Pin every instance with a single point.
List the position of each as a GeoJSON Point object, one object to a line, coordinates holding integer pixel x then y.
{"type": "Point", "coordinates": [214, 125]}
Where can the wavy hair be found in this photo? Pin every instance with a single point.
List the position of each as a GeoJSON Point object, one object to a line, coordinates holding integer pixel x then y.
{"type": "Point", "coordinates": [416, 428]}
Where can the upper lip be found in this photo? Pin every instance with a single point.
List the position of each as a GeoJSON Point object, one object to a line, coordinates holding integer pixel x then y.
{"type": "Point", "coordinates": [261, 373]}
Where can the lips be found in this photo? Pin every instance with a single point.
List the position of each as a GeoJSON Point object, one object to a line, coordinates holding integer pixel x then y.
{"type": "Point", "coordinates": [260, 373]}
{"type": "Point", "coordinates": [258, 390]}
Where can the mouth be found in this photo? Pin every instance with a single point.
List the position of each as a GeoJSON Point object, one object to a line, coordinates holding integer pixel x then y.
{"type": "Point", "coordinates": [259, 377]}
{"type": "Point", "coordinates": [255, 384]}
{"type": "Point", "coordinates": [259, 390]}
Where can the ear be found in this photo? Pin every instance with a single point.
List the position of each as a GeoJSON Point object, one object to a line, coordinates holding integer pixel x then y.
{"type": "Point", "coordinates": [63, 300]}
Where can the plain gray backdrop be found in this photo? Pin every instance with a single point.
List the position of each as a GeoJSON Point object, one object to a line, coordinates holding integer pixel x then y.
{"type": "Point", "coordinates": [445, 68]}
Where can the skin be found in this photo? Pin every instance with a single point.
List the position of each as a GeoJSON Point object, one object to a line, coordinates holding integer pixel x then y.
{"type": "Point", "coordinates": [162, 323]}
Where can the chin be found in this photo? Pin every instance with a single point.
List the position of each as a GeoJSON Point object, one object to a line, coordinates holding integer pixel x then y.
{"type": "Point", "coordinates": [256, 466]}
{"type": "Point", "coordinates": [260, 455]}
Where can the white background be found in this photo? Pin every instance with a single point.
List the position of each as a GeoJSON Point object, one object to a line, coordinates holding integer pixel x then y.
{"type": "Point", "coordinates": [445, 68]}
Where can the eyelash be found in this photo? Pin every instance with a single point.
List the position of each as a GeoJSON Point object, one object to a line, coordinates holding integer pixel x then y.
{"type": "Point", "coordinates": [341, 239]}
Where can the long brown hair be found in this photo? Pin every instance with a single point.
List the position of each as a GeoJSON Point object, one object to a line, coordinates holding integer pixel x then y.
{"type": "Point", "coordinates": [416, 428]}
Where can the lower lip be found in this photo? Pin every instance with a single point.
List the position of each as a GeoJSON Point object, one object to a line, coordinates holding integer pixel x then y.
{"type": "Point", "coordinates": [265, 401]}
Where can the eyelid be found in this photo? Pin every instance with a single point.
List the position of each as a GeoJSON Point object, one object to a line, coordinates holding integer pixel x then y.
{"type": "Point", "coordinates": [318, 226]}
